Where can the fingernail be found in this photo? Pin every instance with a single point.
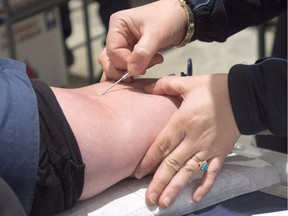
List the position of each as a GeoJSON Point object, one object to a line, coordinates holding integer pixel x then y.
{"type": "Point", "coordinates": [138, 175]}
{"type": "Point", "coordinates": [135, 66]}
{"type": "Point", "coordinates": [167, 201]}
{"type": "Point", "coordinates": [198, 199]}
{"type": "Point", "coordinates": [153, 198]}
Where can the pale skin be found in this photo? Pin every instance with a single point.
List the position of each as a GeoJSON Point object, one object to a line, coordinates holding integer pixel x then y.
{"type": "Point", "coordinates": [136, 36]}
{"type": "Point", "coordinates": [204, 126]}
{"type": "Point", "coordinates": [115, 130]}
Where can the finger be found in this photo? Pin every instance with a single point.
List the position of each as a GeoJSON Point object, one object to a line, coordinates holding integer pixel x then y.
{"type": "Point", "coordinates": [110, 72]}
{"type": "Point", "coordinates": [117, 43]}
{"type": "Point", "coordinates": [167, 170]}
{"type": "Point", "coordinates": [103, 60]}
{"type": "Point", "coordinates": [115, 74]}
{"type": "Point", "coordinates": [119, 62]}
{"type": "Point", "coordinates": [208, 179]}
{"type": "Point", "coordinates": [119, 57]}
{"type": "Point", "coordinates": [104, 77]}
{"type": "Point", "coordinates": [143, 54]}
{"type": "Point", "coordinates": [157, 59]}
{"type": "Point", "coordinates": [179, 181]}
{"type": "Point", "coordinates": [161, 147]}
{"type": "Point", "coordinates": [166, 85]}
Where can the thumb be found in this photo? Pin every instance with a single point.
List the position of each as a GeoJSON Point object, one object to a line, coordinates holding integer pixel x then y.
{"type": "Point", "coordinates": [144, 54]}
{"type": "Point", "coordinates": [168, 85]}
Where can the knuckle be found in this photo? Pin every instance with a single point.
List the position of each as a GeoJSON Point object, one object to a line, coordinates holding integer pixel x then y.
{"type": "Point", "coordinates": [213, 174]}
{"type": "Point", "coordinates": [142, 52]}
{"type": "Point", "coordinates": [164, 79]}
{"type": "Point", "coordinates": [116, 18]}
{"type": "Point", "coordinates": [150, 163]}
{"type": "Point", "coordinates": [110, 52]}
{"type": "Point", "coordinates": [173, 164]}
{"type": "Point", "coordinates": [100, 57]}
{"type": "Point", "coordinates": [175, 189]}
{"type": "Point", "coordinates": [162, 150]}
{"type": "Point", "coordinates": [160, 183]}
{"type": "Point", "coordinates": [189, 170]}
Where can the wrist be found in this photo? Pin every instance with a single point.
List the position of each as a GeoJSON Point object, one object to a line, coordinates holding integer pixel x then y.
{"type": "Point", "coordinates": [190, 27]}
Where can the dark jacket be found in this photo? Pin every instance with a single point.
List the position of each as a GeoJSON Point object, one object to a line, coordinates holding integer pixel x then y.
{"type": "Point", "coordinates": [258, 92]}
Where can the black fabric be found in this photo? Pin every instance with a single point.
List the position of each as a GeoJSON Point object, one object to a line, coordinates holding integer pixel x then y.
{"type": "Point", "coordinates": [65, 20]}
{"type": "Point", "coordinates": [277, 143]}
{"type": "Point", "coordinates": [61, 169]}
{"type": "Point", "coordinates": [258, 94]}
{"type": "Point", "coordinates": [280, 40]}
{"type": "Point", "coordinates": [274, 143]}
{"type": "Point", "coordinates": [9, 203]}
{"type": "Point", "coordinates": [216, 20]}
{"type": "Point", "coordinates": [108, 7]}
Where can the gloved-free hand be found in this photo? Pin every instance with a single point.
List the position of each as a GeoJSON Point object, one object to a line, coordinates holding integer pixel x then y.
{"type": "Point", "coordinates": [136, 36]}
{"type": "Point", "coordinates": [203, 129]}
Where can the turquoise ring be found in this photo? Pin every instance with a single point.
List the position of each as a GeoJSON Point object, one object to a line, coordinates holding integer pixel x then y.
{"type": "Point", "coordinates": [203, 165]}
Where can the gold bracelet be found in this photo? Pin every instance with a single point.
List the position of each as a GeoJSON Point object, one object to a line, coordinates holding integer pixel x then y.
{"type": "Point", "coordinates": [190, 23]}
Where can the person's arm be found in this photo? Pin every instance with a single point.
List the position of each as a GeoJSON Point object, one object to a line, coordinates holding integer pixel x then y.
{"type": "Point", "coordinates": [216, 20]}
{"type": "Point", "coordinates": [258, 95]}
{"type": "Point", "coordinates": [114, 130]}
{"type": "Point", "coordinates": [135, 37]}
{"type": "Point", "coordinates": [203, 126]}
{"type": "Point", "coordinates": [255, 100]}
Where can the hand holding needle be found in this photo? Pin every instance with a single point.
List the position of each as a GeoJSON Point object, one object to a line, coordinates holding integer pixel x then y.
{"type": "Point", "coordinates": [126, 75]}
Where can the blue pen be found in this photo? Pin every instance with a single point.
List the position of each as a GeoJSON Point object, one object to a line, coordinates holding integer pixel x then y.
{"type": "Point", "coordinates": [189, 68]}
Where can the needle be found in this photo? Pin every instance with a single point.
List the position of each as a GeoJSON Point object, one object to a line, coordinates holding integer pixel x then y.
{"type": "Point", "coordinates": [126, 75]}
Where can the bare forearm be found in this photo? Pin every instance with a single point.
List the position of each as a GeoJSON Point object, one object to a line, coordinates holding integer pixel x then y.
{"type": "Point", "coordinates": [115, 130]}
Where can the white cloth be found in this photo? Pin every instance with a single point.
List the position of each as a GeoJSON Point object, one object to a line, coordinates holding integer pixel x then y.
{"type": "Point", "coordinates": [239, 175]}
{"type": "Point", "coordinates": [279, 213]}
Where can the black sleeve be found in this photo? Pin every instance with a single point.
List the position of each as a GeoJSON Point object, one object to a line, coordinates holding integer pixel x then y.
{"type": "Point", "coordinates": [258, 95]}
{"type": "Point", "coordinates": [216, 20]}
